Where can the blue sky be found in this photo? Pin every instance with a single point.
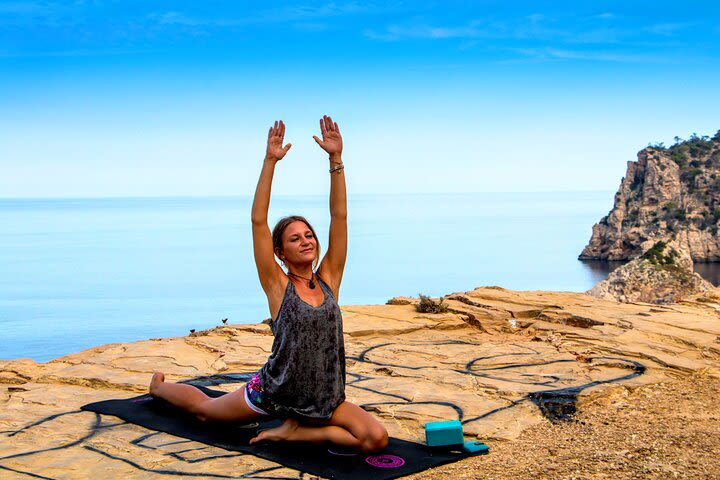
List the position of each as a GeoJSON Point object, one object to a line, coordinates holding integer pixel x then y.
{"type": "Point", "coordinates": [125, 98]}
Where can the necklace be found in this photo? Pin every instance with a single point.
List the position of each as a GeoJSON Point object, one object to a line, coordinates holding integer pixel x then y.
{"type": "Point", "coordinates": [311, 283]}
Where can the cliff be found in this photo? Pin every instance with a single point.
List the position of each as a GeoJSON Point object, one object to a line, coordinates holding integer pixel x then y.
{"type": "Point", "coordinates": [667, 194]}
{"type": "Point", "coordinates": [499, 360]}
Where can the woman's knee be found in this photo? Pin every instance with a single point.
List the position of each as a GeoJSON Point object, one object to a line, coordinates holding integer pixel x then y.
{"type": "Point", "coordinates": [202, 410]}
{"type": "Point", "coordinates": [376, 438]}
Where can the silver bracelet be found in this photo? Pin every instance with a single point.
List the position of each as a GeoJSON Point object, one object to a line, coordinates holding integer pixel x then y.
{"type": "Point", "coordinates": [337, 168]}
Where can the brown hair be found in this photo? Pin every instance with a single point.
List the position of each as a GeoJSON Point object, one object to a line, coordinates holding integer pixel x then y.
{"type": "Point", "coordinates": [280, 227]}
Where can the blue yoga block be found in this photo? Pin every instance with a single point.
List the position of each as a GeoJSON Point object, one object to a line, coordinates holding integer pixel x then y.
{"type": "Point", "coordinates": [475, 447]}
{"type": "Point", "coordinates": [440, 434]}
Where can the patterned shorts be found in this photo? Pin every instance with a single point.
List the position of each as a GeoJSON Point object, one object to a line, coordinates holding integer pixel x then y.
{"type": "Point", "coordinates": [257, 399]}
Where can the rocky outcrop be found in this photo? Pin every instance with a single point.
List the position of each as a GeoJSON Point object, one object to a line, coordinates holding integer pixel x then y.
{"type": "Point", "coordinates": [498, 360]}
{"type": "Point", "coordinates": [663, 274]}
{"type": "Point", "coordinates": [667, 194]}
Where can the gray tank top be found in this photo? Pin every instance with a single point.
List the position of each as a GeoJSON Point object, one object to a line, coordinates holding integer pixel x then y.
{"type": "Point", "coordinates": [305, 373]}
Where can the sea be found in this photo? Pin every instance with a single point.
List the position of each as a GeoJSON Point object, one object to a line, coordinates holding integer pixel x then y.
{"type": "Point", "coordinates": [76, 273]}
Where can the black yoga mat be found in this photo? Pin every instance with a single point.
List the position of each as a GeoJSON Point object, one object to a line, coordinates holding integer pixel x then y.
{"type": "Point", "coordinates": [398, 459]}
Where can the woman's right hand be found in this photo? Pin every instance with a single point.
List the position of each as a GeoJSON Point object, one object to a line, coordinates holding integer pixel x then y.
{"type": "Point", "coordinates": [275, 150]}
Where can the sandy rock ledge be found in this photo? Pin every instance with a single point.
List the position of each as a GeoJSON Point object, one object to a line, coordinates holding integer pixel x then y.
{"type": "Point", "coordinates": [501, 361]}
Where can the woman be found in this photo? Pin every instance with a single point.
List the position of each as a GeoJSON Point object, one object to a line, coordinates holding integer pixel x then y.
{"type": "Point", "coordinates": [303, 380]}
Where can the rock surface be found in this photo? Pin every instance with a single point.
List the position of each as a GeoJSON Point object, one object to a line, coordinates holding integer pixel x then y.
{"type": "Point", "coordinates": [500, 361]}
{"type": "Point", "coordinates": [663, 431]}
{"type": "Point", "coordinates": [668, 193]}
{"type": "Point", "coordinates": [663, 274]}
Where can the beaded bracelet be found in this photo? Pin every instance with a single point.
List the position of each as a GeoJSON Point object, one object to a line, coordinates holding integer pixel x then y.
{"type": "Point", "coordinates": [337, 168]}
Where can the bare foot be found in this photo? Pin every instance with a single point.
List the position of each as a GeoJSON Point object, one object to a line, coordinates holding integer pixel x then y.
{"type": "Point", "coordinates": [157, 379]}
{"type": "Point", "coordinates": [283, 432]}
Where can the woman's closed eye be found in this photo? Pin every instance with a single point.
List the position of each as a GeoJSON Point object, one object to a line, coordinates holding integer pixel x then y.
{"type": "Point", "coordinates": [295, 238]}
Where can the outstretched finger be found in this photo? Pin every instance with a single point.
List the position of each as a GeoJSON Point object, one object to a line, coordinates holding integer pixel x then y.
{"type": "Point", "coordinates": [319, 142]}
{"type": "Point", "coordinates": [337, 129]}
{"type": "Point", "coordinates": [282, 130]}
{"type": "Point", "coordinates": [322, 127]}
{"type": "Point", "coordinates": [270, 133]}
{"type": "Point", "coordinates": [328, 123]}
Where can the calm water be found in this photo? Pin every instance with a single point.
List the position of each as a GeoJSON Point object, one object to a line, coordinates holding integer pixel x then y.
{"type": "Point", "coordinates": [79, 273]}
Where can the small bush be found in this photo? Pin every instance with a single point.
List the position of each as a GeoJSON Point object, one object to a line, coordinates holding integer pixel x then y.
{"type": "Point", "coordinates": [679, 158]}
{"type": "Point", "coordinates": [428, 305]}
{"type": "Point", "coordinates": [655, 254]}
{"type": "Point", "coordinates": [688, 176]}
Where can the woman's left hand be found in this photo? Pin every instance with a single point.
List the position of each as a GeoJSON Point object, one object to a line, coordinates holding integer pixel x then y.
{"type": "Point", "coordinates": [331, 139]}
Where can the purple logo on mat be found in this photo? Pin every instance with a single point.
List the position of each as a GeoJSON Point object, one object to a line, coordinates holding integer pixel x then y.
{"type": "Point", "coordinates": [343, 454]}
{"type": "Point", "coordinates": [141, 399]}
{"type": "Point", "coordinates": [385, 461]}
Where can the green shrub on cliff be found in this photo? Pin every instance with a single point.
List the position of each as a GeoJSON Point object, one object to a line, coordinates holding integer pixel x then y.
{"type": "Point", "coordinates": [699, 145]}
{"type": "Point", "coordinates": [688, 176]}
{"type": "Point", "coordinates": [693, 147]}
{"type": "Point", "coordinates": [678, 156]}
{"type": "Point", "coordinates": [428, 305]}
{"type": "Point", "coordinates": [655, 255]}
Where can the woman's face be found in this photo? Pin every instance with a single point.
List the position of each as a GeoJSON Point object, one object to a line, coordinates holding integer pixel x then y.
{"type": "Point", "coordinates": [299, 244]}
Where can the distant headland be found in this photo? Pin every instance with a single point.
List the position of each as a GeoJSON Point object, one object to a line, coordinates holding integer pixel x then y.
{"type": "Point", "coordinates": [669, 193]}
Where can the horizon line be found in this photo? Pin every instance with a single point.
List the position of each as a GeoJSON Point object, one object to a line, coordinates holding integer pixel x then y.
{"type": "Point", "coordinates": [130, 197]}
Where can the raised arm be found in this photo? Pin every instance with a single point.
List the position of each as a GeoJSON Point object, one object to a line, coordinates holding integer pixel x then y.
{"type": "Point", "coordinates": [332, 266]}
{"type": "Point", "coordinates": [269, 271]}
